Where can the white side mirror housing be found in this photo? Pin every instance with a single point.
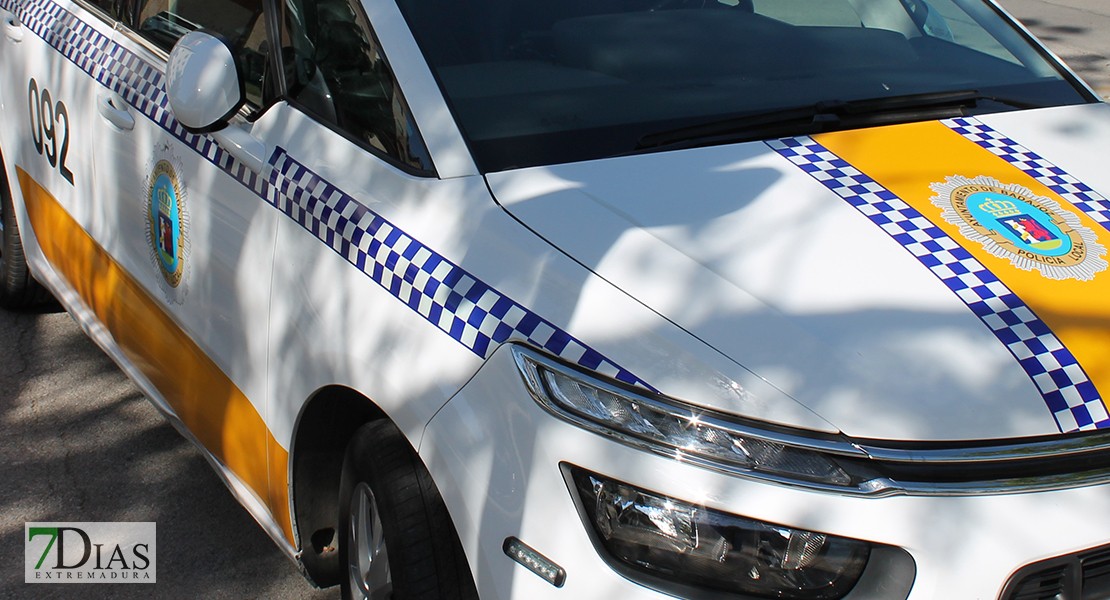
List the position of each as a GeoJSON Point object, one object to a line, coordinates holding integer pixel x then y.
{"type": "Point", "coordinates": [203, 83]}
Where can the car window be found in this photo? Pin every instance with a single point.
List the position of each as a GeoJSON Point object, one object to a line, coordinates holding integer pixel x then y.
{"type": "Point", "coordinates": [938, 19]}
{"type": "Point", "coordinates": [536, 82]}
{"type": "Point", "coordinates": [239, 22]}
{"type": "Point", "coordinates": [809, 12]}
{"type": "Point", "coordinates": [946, 20]}
{"type": "Point", "coordinates": [335, 70]}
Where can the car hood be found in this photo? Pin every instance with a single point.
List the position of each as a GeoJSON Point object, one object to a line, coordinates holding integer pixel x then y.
{"type": "Point", "coordinates": [873, 276]}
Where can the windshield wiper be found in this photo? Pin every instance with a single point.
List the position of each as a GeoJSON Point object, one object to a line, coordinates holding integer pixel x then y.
{"type": "Point", "coordinates": [827, 115]}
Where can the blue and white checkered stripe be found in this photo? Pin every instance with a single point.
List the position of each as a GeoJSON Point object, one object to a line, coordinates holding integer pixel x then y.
{"type": "Point", "coordinates": [1069, 394]}
{"type": "Point", "coordinates": [443, 293]}
{"type": "Point", "coordinates": [1081, 195]}
{"type": "Point", "coordinates": [75, 39]}
{"type": "Point", "coordinates": [470, 311]}
{"type": "Point", "coordinates": [138, 82]}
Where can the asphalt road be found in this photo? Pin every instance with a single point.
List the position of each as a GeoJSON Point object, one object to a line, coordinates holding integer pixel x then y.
{"type": "Point", "coordinates": [78, 442]}
{"type": "Point", "coordinates": [1076, 30]}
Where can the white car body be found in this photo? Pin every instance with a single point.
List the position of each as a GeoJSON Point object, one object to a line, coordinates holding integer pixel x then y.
{"type": "Point", "coordinates": [685, 272]}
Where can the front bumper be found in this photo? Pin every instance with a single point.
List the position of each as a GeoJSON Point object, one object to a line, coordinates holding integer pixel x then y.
{"type": "Point", "coordinates": [496, 456]}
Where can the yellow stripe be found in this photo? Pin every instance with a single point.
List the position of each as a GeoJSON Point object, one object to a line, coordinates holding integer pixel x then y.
{"type": "Point", "coordinates": [906, 159]}
{"type": "Point", "coordinates": [201, 394]}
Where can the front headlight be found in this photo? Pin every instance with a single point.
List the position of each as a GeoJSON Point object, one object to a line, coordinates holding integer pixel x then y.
{"type": "Point", "coordinates": [736, 445]}
{"type": "Point", "coordinates": [666, 426]}
{"type": "Point", "coordinates": [676, 546]}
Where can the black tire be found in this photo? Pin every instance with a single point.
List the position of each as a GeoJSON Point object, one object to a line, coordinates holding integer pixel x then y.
{"type": "Point", "coordinates": [425, 560]}
{"type": "Point", "coordinates": [18, 289]}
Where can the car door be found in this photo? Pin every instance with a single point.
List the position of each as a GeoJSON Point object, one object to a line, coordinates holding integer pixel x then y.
{"type": "Point", "coordinates": [193, 239]}
{"type": "Point", "coordinates": [47, 88]}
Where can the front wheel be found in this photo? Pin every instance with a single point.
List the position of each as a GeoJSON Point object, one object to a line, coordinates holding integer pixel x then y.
{"type": "Point", "coordinates": [18, 289]}
{"type": "Point", "coordinates": [396, 539]}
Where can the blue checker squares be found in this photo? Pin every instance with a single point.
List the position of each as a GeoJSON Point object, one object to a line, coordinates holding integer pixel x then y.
{"type": "Point", "coordinates": [1053, 177]}
{"type": "Point", "coordinates": [414, 274]}
{"type": "Point", "coordinates": [297, 192]}
{"type": "Point", "coordinates": [1056, 402]}
{"type": "Point", "coordinates": [1082, 418]}
{"type": "Point", "coordinates": [443, 293]}
{"type": "Point", "coordinates": [1053, 370]}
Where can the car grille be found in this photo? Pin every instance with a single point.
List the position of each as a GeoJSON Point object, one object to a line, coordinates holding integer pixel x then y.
{"type": "Point", "coordinates": [1083, 576]}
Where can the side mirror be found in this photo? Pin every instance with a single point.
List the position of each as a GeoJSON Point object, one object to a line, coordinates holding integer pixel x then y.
{"type": "Point", "coordinates": [203, 83]}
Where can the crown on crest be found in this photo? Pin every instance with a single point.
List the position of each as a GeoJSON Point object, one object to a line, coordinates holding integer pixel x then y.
{"type": "Point", "coordinates": [1000, 208]}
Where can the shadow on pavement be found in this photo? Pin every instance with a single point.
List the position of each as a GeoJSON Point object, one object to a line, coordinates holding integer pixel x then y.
{"type": "Point", "coordinates": [81, 443]}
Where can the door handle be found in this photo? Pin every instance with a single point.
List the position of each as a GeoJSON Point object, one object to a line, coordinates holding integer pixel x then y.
{"type": "Point", "coordinates": [13, 29]}
{"type": "Point", "coordinates": [114, 109]}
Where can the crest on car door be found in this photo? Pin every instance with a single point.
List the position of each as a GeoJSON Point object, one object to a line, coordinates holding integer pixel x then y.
{"type": "Point", "coordinates": [167, 224]}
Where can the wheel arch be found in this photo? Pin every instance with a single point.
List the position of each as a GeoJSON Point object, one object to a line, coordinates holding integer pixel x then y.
{"type": "Point", "coordinates": [326, 424]}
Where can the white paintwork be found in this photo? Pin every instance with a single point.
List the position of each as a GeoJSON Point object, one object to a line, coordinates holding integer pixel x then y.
{"type": "Point", "coordinates": [119, 229]}
{"type": "Point", "coordinates": [793, 284]}
{"type": "Point", "coordinates": [962, 547]}
{"type": "Point", "coordinates": [225, 290]}
{"type": "Point", "coordinates": [381, 347]}
{"type": "Point", "coordinates": [724, 276]}
{"type": "Point", "coordinates": [65, 84]}
{"type": "Point", "coordinates": [1074, 138]}
{"type": "Point", "coordinates": [238, 141]}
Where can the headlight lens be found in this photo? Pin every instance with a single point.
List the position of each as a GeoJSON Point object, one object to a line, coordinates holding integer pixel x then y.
{"type": "Point", "coordinates": [683, 431]}
{"type": "Point", "coordinates": [675, 543]}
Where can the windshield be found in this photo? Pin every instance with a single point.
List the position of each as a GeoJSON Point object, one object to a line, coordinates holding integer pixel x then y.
{"type": "Point", "coordinates": [536, 82]}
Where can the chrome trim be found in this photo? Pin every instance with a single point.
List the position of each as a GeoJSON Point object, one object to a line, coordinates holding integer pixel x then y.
{"type": "Point", "coordinates": [1000, 487]}
{"type": "Point", "coordinates": [865, 455]}
{"type": "Point", "coordinates": [155, 55]}
{"type": "Point", "coordinates": [524, 355]}
{"type": "Point", "coordinates": [1005, 451]}
{"type": "Point", "coordinates": [97, 11]}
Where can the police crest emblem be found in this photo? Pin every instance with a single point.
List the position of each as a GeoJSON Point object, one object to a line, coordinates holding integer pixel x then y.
{"type": "Point", "coordinates": [167, 224]}
{"type": "Point", "coordinates": [1033, 232]}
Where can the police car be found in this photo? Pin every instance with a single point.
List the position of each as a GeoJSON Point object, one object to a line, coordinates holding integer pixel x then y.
{"type": "Point", "coordinates": [800, 299]}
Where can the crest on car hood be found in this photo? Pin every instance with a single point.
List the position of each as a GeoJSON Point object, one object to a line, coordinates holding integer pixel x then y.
{"type": "Point", "coordinates": [1033, 232]}
{"type": "Point", "coordinates": [990, 322]}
